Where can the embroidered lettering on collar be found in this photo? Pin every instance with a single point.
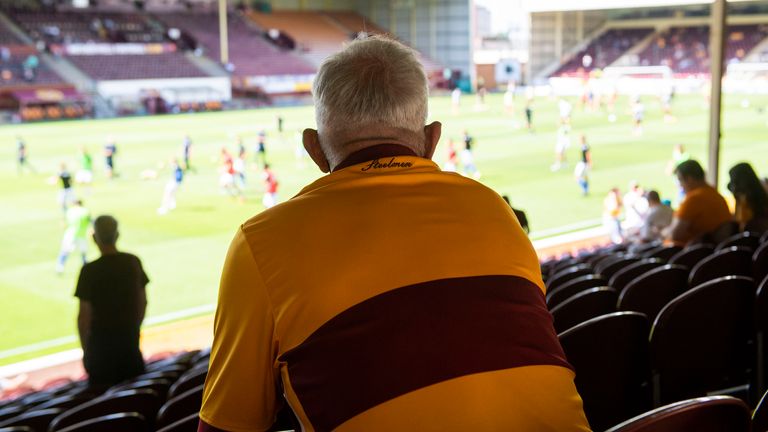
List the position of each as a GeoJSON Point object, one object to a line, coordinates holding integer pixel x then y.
{"type": "Point", "coordinates": [376, 164]}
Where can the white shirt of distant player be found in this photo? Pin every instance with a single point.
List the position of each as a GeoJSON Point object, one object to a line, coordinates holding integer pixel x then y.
{"type": "Point", "coordinates": [563, 138]}
{"type": "Point", "coordinates": [635, 206]}
{"type": "Point", "coordinates": [565, 108]}
{"type": "Point", "coordinates": [638, 109]}
{"type": "Point", "coordinates": [456, 96]}
{"type": "Point", "coordinates": [238, 165]}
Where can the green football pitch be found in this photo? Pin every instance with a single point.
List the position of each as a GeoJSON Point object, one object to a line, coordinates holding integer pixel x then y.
{"type": "Point", "coordinates": [184, 250]}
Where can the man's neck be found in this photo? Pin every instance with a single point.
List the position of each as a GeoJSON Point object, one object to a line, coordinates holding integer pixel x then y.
{"type": "Point", "coordinates": [108, 250]}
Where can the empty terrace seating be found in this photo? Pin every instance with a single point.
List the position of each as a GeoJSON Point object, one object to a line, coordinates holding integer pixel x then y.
{"type": "Point", "coordinates": [81, 27]}
{"type": "Point", "coordinates": [317, 35]}
{"type": "Point", "coordinates": [604, 50]}
{"type": "Point", "coordinates": [125, 67]}
{"type": "Point", "coordinates": [249, 51]}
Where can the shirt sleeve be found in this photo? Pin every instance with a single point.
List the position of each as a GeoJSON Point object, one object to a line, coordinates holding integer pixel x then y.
{"type": "Point", "coordinates": [83, 291]}
{"type": "Point", "coordinates": [241, 390]}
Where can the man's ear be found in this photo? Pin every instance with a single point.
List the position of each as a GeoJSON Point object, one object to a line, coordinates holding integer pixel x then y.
{"type": "Point", "coordinates": [312, 145]}
{"type": "Point", "coordinates": [432, 132]}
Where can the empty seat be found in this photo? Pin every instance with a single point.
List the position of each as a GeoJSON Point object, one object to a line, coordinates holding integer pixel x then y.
{"type": "Point", "coordinates": [181, 406]}
{"type": "Point", "coordinates": [187, 424]}
{"type": "Point", "coordinates": [67, 401]}
{"type": "Point", "coordinates": [159, 386]}
{"type": "Point", "coordinates": [573, 287]}
{"type": "Point", "coordinates": [610, 356]}
{"type": "Point", "coordinates": [190, 379]}
{"type": "Point", "coordinates": [691, 255]}
{"type": "Point", "coordinates": [746, 239]}
{"type": "Point", "coordinates": [651, 291]}
{"type": "Point", "coordinates": [663, 252]}
{"type": "Point", "coordinates": [621, 278]}
{"type": "Point", "coordinates": [731, 261]}
{"type": "Point", "coordinates": [761, 325]}
{"type": "Point", "coordinates": [607, 270]}
{"type": "Point", "coordinates": [37, 420]}
{"type": "Point", "coordinates": [568, 274]}
{"type": "Point", "coordinates": [120, 422]}
{"type": "Point", "coordinates": [760, 262]}
{"type": "Point", "coordinates": [17, 429]}
{"type": "Point", "coordinates": [700, 341]}
{"type": "Point", "coordinates": [562, 265]}
{"type": "Point", "coordinates": [706, 414]}
{"type": "Point", "coordinates": [144, 401]}
{"type": "Point", "coordinates": [760, 415]}
{"type": "Point", "coordinates": [584, 306]}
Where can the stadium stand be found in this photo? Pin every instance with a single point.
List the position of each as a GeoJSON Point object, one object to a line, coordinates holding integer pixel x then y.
{"type": "Point", "coordinates": [698, 315]}
{"type": "Point", "coordinates": [84, 27]}
{"type": "Point", "coordinates": [249, 52]}
{"type": "Point", "coordinates": [123, 67]}
{"type": "Point", "coordinates": [317, 36]}
{"type": "Point", "coordinates": [686, 49]}
{"type": "Point", "coordinates": [602, 51]}
{"type": "Point", "coordinates": [320, 34]}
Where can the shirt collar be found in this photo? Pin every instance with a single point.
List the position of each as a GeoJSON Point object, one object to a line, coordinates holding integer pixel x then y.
{"type": "Point", "coordinates": [374, 152]}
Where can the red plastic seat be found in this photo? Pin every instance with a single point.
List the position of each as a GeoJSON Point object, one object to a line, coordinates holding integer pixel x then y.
{"type": "Point", "coordinates": [706, 414]}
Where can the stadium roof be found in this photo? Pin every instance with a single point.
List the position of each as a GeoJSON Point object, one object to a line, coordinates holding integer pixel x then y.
{"type": "Point", "coordinates": [570, 5]}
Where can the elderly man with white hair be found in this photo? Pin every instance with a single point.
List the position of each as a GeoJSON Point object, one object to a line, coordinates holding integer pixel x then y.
{"type": "Point", "coordinates": [352, 302]}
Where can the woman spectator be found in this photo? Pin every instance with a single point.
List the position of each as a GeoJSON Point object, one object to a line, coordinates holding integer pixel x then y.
{"type": "Point", "coordinates": [751, 211]}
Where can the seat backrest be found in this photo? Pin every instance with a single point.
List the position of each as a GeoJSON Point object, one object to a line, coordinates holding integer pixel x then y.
{"type": "Point", "coordinates": [611, 269]}
{"type": "Point", "coordinates": [561, 265]}
{"type": "Point", "coordinates": [180, 406]}
{"type": "Point", "coordinates": [160, 386]}
{"type": "Point", "coordinates": [746, 239]}
{"type": "Point", "coordinates": [706, 414]}
{"type": "Point", "coordinates": [760, 262]}
{"type": "Point", "coordinates": [189, 380]}
{"type": "Point", "coordinates": [764, 238]}
{"type": "Point", "coordinates": [119, 422]}
{"type": "Point", "coordinates": [66, 401]}
{"type": "Point", "coordinates": [584, 306]}
{"type": "Point", "coordinates": [721, 233]}
{"type": "Point", "coordinates": [568, 274]}
{"type": "Point", "coordinates": [731, 261]}
{"type": "Point", "coordinates": [570, 288]}
{"type": "Point", "coordinates": [17, 429]}
{"type": "Point", "coordinates": [662, 252]}
{"type": "Point", "coordinates": [760, 415]}
{"type": "Point", "coordinates": [610, 356]}
{"type": "Point", "coordinates": [36, 419]}
{"type": "Point", "coordinates": [621, 278]}
{"type": "Point", "coordinates": [651, 291]}
{"type": "Point", "coordinates": [761, 305]}
{"type": "Point", "coordinates": [691, 255]}
{"type": "Point", "coordinates": [700, 341]}
{"type": "Point", "coordinates": [144, 401]}
{"type": "Point", "coordinates": [186, 424]}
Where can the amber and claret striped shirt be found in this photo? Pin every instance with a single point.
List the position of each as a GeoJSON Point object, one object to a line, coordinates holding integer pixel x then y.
{"type": "Point", "coordinates": [387, 296]}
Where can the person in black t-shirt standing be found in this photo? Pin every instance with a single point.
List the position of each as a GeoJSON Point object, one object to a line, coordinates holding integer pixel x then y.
{"type": "Point", "coordinates": [113, 301]}
{"type": "Point", "coordinates": [66, 194]}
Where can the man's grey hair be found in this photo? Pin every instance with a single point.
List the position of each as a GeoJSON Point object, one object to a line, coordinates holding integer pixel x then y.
{"type": "Point", "coordinates": [372, 81]}
{"type": "Point", "coordinates": [105, 230]}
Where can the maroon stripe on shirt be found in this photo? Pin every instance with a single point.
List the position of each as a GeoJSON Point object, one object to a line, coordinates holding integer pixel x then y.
{"type": "Point", "coordinates": [205, 427]}
{"type": "Point", "coordinates": [416, 336]}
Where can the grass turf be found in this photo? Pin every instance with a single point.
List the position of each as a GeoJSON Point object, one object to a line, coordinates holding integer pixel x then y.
{"type": "Point", "coordinates": [183, 251]}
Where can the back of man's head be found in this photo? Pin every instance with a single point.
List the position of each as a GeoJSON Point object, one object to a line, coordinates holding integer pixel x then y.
{"type": "Point", "coordinates": [653, 197]}
{"type": "Point", "coordinates": [690, 170]}
{"type": "Point", "coordinates": [105, 230]}
{"type": "Point", "coordinates": [373, 82]}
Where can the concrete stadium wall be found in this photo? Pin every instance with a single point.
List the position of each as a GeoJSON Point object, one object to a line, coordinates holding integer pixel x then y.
{"type": "Point", "coordinates": [441, 29]}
